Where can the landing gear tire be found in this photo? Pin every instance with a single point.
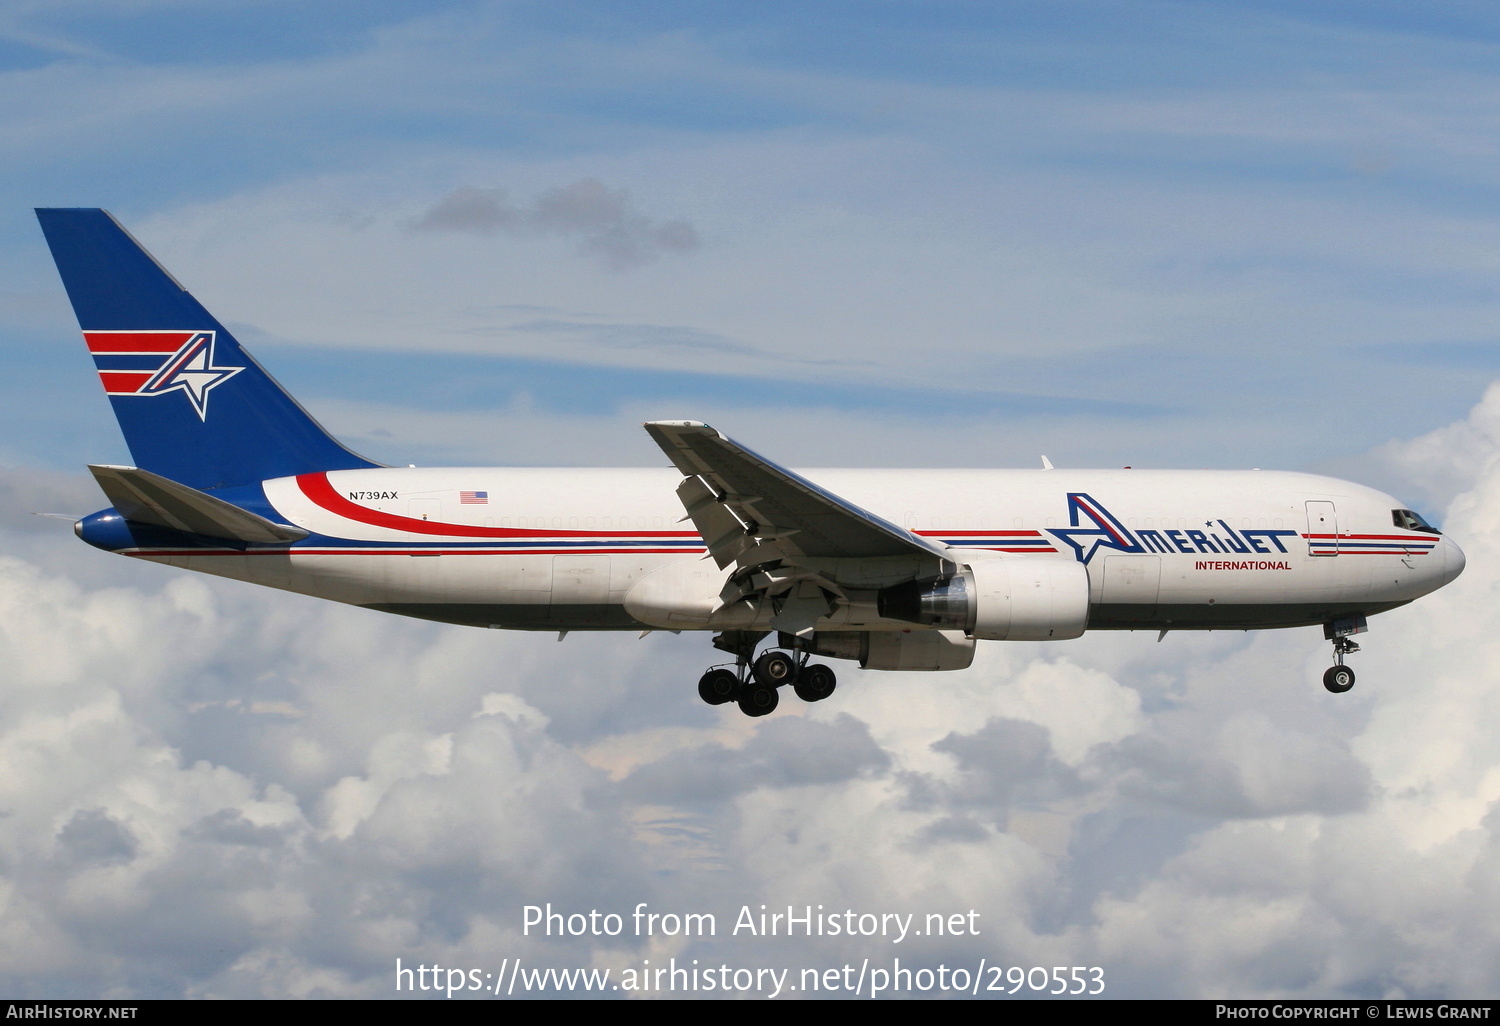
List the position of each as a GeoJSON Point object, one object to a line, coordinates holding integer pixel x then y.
{"type": "Point", "coordinates": [758, 700]}
{"type": "Point", "coordinates": [1338, 679]}
{"type": "Point", "coordinates": [815, 683]}
{"type": "Point", "coordinates": [718, 686]}
{"type": "Point", "coordinates": [773, 669]}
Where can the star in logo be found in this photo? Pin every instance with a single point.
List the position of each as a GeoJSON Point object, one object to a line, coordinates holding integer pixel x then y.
{"type": "Point", "coordinates": [191, 370]}
{"type": "Point", "coordinates": [1107, 532]}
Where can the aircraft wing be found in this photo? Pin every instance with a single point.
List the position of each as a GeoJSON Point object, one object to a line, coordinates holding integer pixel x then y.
{"type": "Point", "coordinates": [794, 544]}
{"type": "Point", "coordinates": [740, 500]}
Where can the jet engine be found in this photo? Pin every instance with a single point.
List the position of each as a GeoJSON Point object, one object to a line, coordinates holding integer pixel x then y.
{"type": "Point", "coordinates": [1017, 598]}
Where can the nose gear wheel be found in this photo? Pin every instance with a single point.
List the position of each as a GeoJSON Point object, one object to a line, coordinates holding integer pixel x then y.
{"type": "Point", "coordinates": [1339, 678]}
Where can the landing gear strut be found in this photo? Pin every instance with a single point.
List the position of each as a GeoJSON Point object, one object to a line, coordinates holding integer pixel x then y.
{"type": "Point", "coordinates": [753, 682]}
{"type": "Point", "coordinates": [1339, 678]}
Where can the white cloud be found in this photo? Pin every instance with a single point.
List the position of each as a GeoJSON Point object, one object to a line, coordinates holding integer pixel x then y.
{"type": "Point", "coordinates": [604, 218]}
{"type": "Point", "coordinates": [1444, 463]}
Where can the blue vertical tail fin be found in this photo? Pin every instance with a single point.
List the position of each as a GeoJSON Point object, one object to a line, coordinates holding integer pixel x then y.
{"type": "Point", "coordinates": [193, 405]}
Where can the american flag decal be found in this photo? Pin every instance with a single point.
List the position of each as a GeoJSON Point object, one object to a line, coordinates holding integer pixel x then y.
{"type": "Point", "coordinates": [474, 498]}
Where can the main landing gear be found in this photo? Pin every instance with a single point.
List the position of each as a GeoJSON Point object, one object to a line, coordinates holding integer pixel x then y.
{"type": "Point", "coordinates": [1339, 678]}
{"type": "Point", "coordinates": [754, 682]}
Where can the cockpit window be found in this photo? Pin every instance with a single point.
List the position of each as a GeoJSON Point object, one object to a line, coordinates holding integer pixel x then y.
{"type": "Point", "coordinates": [1412, 521]}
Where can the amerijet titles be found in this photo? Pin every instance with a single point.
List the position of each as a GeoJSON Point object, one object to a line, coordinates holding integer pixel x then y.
{"type": "Point", "coordinates": [1109, 533]}
{"type": "Point", "coordinates": [1241, 564]}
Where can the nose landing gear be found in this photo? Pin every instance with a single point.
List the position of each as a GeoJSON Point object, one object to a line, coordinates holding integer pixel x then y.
{"type": "Point", "coordinates": [1339, 678]}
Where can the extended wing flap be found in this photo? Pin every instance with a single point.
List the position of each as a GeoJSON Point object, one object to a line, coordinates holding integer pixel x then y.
{"type": "Point", "coordinates": [774, 508]}
{"type": "Point", "coordinates": [722, 532]}
{"type": "Point", "coordinates": [149, 498]}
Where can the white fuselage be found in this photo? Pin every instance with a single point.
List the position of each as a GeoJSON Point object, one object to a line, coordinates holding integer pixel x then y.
{"type": "Point", "coordinates": [571, 549]}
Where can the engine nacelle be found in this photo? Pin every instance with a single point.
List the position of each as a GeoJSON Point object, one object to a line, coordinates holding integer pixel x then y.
{"type": "Point", "coordinates": [917, 650]}
{"type": "Point", "coordinates": [1007, 598]}
{"type": "Point", "coordinates": [892, 650]}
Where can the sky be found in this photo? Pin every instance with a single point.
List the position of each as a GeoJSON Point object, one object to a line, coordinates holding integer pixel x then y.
{"type": "Point", "coordinates": [1227, 235]}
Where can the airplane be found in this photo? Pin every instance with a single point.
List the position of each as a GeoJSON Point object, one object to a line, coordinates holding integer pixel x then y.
{"type": "Point", "coordinates": [894, 569]}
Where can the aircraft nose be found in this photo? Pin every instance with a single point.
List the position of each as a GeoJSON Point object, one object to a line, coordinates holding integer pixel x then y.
{"type": "Point", "coordinates": [1453, 561]}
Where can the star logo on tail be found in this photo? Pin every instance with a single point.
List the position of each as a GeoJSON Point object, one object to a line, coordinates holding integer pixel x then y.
{"type": "Point", "coordinates": [192, 371]}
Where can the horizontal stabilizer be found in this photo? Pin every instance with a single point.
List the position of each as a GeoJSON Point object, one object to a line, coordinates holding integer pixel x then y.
{"type": "Point", "coordinates": [149, 498]}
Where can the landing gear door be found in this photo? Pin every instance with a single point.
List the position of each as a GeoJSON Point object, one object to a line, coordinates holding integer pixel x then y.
{"type": "Point", "coordinates": [1322, 529]}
